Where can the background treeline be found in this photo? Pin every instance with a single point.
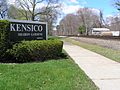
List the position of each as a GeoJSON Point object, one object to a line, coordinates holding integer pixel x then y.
{"type": "Point", "coordinates": [35, 10]}
{"type": "Point", "coordinates": [84, 19]}
{"type": "Point", "coordinates": [50, 10]}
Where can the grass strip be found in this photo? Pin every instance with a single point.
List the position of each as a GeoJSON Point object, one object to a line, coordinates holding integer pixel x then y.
{"type": "Point", "coordinates": [61, 74]}
{"type": "Point", "coordinates": [109, 53]}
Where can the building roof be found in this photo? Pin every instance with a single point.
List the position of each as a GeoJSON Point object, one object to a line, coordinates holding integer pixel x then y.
{"type": "Point", "coordinates": [100, 29]}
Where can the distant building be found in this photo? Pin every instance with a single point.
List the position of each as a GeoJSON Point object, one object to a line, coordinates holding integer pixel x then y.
{"type": "Point", "coordinates": [115, 33]}
{"type": "Point", "coordinates": [103, 32]}
{"type": "Point", "coordinates": [99, 31]}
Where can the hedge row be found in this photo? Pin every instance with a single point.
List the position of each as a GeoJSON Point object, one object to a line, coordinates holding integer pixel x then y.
{"type": "Point", "coordinates": [28, 51]}
{"type": "Point", "coordinates": [4, 37]}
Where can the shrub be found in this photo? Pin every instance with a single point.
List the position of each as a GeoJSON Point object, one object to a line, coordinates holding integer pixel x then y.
{"type": "Point", "coordinates": [82, 29]}
{"type": "Point", "coordinates": [4, 37]}
{"type": "Point", "coordinates": [27, 51]}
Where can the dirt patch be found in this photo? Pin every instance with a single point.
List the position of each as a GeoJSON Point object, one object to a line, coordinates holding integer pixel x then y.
{"type": "Point", "coordinates": [113, 44]}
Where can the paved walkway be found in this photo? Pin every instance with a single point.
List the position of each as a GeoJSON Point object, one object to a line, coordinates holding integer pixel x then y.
{"type": "Point", "coordinates": [104, 72]}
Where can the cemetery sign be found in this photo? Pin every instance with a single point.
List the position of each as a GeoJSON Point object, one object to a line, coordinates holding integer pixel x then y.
{"type": "Point", "coordinates": [27, 30]}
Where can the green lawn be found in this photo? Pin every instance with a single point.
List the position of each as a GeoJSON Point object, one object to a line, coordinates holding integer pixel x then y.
{"type": "Point", "coordinates": [50, 75]}
{"type": "Point", "coordinates": [109, 53]}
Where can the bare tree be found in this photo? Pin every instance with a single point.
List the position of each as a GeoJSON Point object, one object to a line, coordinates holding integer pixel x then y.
{"type": "Point", "coordinates": [117, 4]}
{"type": "Point", "coordinates": [103, 23]}
{"type": "Point", "coordinates": [114, 23]}
{"type": "Point", "coordinates": [88, 18]}
{"type": "Point", "coordinates": [3, 9]}
{"type": "Point", "coordinates": [101, 18]}
{"type": "Point", "coordinates": [40, 10]}
{"type": "Point", "coordinates": [15, 13]}
{"type": "Point", "coordinates": [51, 17]}
{"type": "Point", "coordinates": [33, 9]}
{"type": "Point", "coordinates": [69, 25]}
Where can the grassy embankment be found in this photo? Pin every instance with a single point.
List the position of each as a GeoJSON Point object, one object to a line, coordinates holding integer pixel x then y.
{"type": "Point", "coordinates": [107, 52]}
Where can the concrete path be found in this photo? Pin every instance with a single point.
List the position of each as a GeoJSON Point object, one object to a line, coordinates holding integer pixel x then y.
{"type": "Point", "coordinates": [104, 72]}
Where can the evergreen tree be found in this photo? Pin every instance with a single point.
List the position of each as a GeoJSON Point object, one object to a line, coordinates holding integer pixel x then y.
{"type": "Point", "coordinates": [82, 29]}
